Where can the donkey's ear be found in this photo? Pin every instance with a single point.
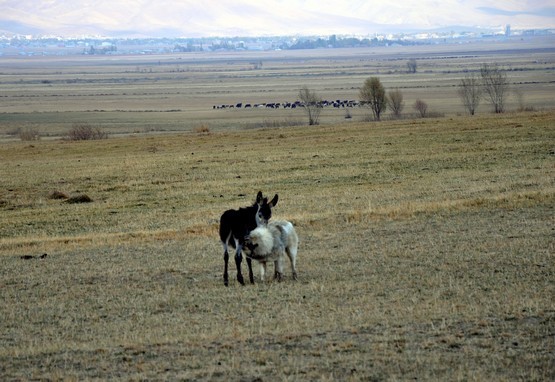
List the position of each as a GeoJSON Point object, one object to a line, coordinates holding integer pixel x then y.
{"type": "Point", "coordinates": [274, 201]}
{"type": "Point", "coordinates": [259, 197]}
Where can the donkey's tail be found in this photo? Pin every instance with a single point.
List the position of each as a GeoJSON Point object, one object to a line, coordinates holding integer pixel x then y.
{"type": "Point", "coordinates": [226, 227]}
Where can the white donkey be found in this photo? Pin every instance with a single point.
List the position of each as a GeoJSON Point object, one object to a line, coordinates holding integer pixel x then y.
{"type": "Point", "coordinates": [270, 243]}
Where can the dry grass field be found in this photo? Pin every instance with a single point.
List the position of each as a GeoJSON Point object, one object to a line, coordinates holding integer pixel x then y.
{"type": "Point", "coordinates": [427, 245]}
{"type": "Point", "coordinates": [169, 93]}
{"type": "Point", "coordinates": [427, 252]}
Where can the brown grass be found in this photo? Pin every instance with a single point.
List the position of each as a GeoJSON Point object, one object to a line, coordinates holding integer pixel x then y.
{"type": "Point", "coordinates": [426, 253]}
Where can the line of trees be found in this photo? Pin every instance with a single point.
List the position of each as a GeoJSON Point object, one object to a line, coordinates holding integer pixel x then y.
{"type": "Point", "coordinates": [491, 83]}
{"type": "Point", "coordinates": [373, 95]}
{"type": "Point", "coordinates": [335, 41]}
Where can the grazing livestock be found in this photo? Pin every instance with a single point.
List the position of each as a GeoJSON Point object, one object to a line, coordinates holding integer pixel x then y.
{"type": "Point", "coordinates": [270, 243]}
{"type": "Point", "coordinates": [338, 103]}
{"type": "Point", "coordinates": [235, 225]}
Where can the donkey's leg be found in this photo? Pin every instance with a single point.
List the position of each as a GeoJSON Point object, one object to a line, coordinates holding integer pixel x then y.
{"type": "Point", "coordinates": [263, 265]}
{"type": "Point", "coordinates": [226, 261]}
{"type": "Point", "coordinates": [292, 253]}
{"type": "Point", "coordinates": [238, 260]}
{"type": "Point", "coordinates": [278, 265]}
{"type": "Point", "coordinates": [249, 264]}
{"type": "Point", "coordinates": [276, 272]}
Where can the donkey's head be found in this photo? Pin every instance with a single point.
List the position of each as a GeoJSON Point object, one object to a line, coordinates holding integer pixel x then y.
{"type": "Point", "coordinates": [264, 209]}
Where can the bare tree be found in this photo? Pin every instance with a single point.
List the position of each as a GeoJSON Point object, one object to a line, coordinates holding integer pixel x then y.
{"type": "Point", "coordinates": [372, 94]}
{"type": "Point", "coordinates": [395, 102]}
{"type": "Point", "coordinates": [421, 107]}
{"type": "Point", "coordinates": [411, 65]}
{"type": "Point", "coordinates": [495, 85]}
{"type": "Point", "coordinates": [470, 91]}
{"type": "Point", "coordinates": [85, 131]}
{"type": "Point", "coordinates": [312, 104]}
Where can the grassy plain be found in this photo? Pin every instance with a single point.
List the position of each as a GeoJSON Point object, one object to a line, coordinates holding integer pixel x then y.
{"type": "Point", "coordinates": [168, 93]}
{"type": "Point", "coordinates": [427, 245]}
{"type": "Point", "coordinates": [427, 252]}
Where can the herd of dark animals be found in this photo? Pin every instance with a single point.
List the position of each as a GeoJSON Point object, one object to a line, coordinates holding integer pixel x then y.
{"type": "Point", "coordinates": [235, 225]}
{"type": "Point", "coordinates": [290, 105]}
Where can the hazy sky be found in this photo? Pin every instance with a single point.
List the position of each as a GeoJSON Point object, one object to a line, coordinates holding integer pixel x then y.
{"type": "Point", "coordinates": [193, 18]}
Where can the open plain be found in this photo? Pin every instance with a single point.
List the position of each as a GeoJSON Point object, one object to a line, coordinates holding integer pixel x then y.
{"type": "Point", "coordinates": [426, 251]}
{"type": "Point", "coordinates": [143, 94]}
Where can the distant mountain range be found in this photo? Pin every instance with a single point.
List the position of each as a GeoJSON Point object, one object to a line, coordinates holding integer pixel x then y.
{"type": "Point", "coordinates": [187, 18]}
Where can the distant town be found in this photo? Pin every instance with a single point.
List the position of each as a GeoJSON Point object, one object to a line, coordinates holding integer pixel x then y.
{"type": "Point", "coordinates": [29, 45]}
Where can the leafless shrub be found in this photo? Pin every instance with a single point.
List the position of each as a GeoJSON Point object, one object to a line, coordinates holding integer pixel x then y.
{"type": "Point", "coordinates": [421, 107]}
{"type": "Point", "coordinates": [313, 104]}
{"type": "Point", "coordinates": [29, 134]}
{"type": "Point", "coordinates": [84, 132]}
{"type": "Point", "coordinates": [395, 102]}
{"type": "Point", "coordinates": [202, 129]}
